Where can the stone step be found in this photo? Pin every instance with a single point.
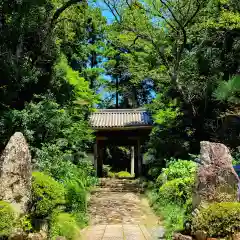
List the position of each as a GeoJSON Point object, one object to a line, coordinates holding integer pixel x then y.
{"type": "Point", "coordinates": [119, 185]}
{"type": "Point", "coordinates": [139, 190]}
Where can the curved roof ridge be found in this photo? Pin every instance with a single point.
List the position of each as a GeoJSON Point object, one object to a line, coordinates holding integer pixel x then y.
{"type": "Point", "coordinates": [122, 110]}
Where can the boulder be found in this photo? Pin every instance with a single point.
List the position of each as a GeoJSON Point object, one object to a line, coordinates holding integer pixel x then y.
{"type": "Point", "coordinates": [16, 172]}
{"type": "Point", "coordinates": [18, 234]}
{"type": "Point", "coordinates": [37, 236]}
{"type": "Point", "coordinates": [61, 238]}
{"type": "Point", "coordinates": [216, 180]}
{"type": "Point", "coordinates": [179, 236]}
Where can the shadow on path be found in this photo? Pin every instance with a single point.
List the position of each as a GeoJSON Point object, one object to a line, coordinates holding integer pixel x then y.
{"type": "Point", "coordinates": [119, 211]}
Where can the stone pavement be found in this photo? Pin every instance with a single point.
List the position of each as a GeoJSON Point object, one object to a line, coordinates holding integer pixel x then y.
{"type": "Point", "coordinates": [118, 211]}
{"type": "Point", "coordinates": [117, 232]}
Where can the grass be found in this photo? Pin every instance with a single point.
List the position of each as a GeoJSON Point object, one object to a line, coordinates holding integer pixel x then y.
{"type": "Point", "coordinates": [171, 214]}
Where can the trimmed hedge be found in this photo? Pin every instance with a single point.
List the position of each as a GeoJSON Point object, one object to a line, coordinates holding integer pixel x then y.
{"type": "Point", "coordinates": [218, 219]}
{"type": "Point", "coordinates": [47, 194]}
{"type": "Point", "coordinates": [177, 191]}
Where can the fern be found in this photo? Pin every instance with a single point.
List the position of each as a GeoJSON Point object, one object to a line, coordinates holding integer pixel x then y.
{"type": "Point", "coordinates": [229, 91]}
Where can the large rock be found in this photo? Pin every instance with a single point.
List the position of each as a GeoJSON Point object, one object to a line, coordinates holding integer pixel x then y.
{"type": "Point", "coordinates": [216, 178]}
{"type": "Point", "coordinates": [15, 173]}
{"type": "Point", "coordinates": [179, 236]}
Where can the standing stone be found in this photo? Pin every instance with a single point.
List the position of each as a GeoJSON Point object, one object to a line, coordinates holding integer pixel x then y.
{"type": "Point", "coordinates": [16, 172]}
{"type": "Point", "coordinates": [216, 180]}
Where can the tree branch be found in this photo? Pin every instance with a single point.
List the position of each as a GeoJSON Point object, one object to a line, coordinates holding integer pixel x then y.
{"type": "Point", "coordinates": [113, 10]}
{"type": "Point", "coordinates": [60, 10]}
{"type": "Point", "coordinates": [194, 14]}
{"type": "Point", "coordinates": [161, 16]}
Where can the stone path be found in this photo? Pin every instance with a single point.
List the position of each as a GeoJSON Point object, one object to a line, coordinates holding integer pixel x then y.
{"type": "Point", "coordinates": [118, 211]}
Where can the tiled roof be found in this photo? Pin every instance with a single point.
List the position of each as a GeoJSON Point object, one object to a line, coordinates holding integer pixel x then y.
{"type": "Point", "coordinates": [110, 118]}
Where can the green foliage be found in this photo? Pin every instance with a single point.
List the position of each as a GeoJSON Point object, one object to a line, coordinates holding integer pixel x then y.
{"type": "Point", "coordinates": [83, 94]}
{"type": "Point", "coordinates": [172, 214]}
{"type": "Point", "coordinates": [173, 199]}
{"type": "Point", "coordinates": [123, 174]}
{"type": "Point", "coordinates": [82, 219]}
{"type": "Point", "coordinates": [7, 219]}
{"type": "Point", "coordinates": [219, 219]}
{"type": "Point", "coordinates": [154, 172]}
{"type": "Point", "coordinates": [64, 224]}
{"type": "Point", "coordinates": [229, 90]}
{"type": "Point", "coordinates": [167, 114]}
{"type": "Point", "coordinates": [47, 194]}
{"type": "Point", "coordinates": [76, 197]}
{"type": "Point", "coordinates": [106, 170]}
{"type": "Point", "coordinates": [24, 223]}
{"type": "Point", "coordinates": [178, 190]}
{"type": "Point", "coordinates": [177, 169]}
{"type": "Point", "coordinates": [111, 174]}
{"type": "Point", "coordinates": [48, 122]}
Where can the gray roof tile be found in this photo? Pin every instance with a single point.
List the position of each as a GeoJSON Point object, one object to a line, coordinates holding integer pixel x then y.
{"type": "Point", "coordinates": [110, 118]}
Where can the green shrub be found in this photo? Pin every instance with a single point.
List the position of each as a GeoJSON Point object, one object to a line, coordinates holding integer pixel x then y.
{"type": "Point", "coordinates": [154, 172]}
{"type": "Point", "coordinates": [218, 219]}
{"type": "Point", "coordinates": [106, 169]}
{"type": "Point", "coordinates": [76, 197]}
{"type": "Point", "coordinates": [177, 169]}
{"type": "Point", "coordinates": [123, 174]}
{"type": "Point", "coordinates": [81, 219]}
{"type": "Point", "coordinates": [177, 190]}
{"type": "Point", "coordinates": [7, 217]}
{"type": "Point", "coordinates": [64, 224]}
{"type": "Point", "coordinates": [188, 206]}
{"type": "Point", "coordinates": [172, 215]}
{"type": "Point", "coordinates": [47, 194]}
{"type": "Point", "coordinates": [111, 174]}
{"type": "Point", "coordinates": [24, 223]}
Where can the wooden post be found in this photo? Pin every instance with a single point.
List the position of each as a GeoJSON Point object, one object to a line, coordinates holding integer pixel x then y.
{"type": "Point", "coordinates": [100, 159]}
{"type": "Point", "coordinates": [132, 161]}
{"type": "Point", "coordinates": [95, 157]}
{"type": "Point", "coordinates": [139, 157]}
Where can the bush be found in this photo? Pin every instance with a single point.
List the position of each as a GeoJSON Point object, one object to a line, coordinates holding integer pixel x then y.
{"type": "Point", "coordinates": [105, 171]}
{"type": "Point", "coordinates": [81, 219]}
{"type": "Point", "coordinates": [218, 219]}
{"type": "Point", "coordinates": [7, 217]}
{"type": "Point", "coordinates": [47, 194]}
{"type": "Point", "coordinates": [177, 169]}
{"type": "Point", "coordinates": [171, 214]}
{"type": "Point", "coordinates": [154, 172]}
{"type": "Point", "coordinates": [178, 190]}
{"type": "Point", "coordinates": [123, 174]}
{"type": "Point", "coordinates": [111, 174]}
{"type": "Point", "coordinates": [76, 197]}
{"type": "Point", "coordinates": [25, 223]}
{"type": "Point", "coordinates": [64, 224]}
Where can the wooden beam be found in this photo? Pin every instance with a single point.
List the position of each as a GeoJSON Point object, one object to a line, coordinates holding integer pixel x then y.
{"type": "Point", "coordinates": [100, 149]}
{"type": "Point", "coordinates": [101, 138]}
{"type": "Point", "coordinates": [132, 161]}
{"type": "Point", "coordinates": [139, 157]}
{"type": "Point", "coordinates": [95, 158]}
{"type": "Point", "coordinates": [126, 128]}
